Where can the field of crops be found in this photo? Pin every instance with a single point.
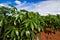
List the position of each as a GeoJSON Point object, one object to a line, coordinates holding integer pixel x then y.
{"type": "Point", "coordinates": [25, 25]}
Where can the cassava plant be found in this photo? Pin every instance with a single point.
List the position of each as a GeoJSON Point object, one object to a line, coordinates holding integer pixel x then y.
{"type": "Point", "coordinates": [18, 25]}
{"type": "Point", "coordinates": [25, 25]}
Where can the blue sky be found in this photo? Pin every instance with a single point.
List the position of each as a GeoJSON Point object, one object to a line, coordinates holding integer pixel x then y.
{"type": "Point", "coordinates": [21, 1]}
{"type": "Point", "coordinates": [44, 7]}
{"type": "Point", "coordinates": [28, 1]}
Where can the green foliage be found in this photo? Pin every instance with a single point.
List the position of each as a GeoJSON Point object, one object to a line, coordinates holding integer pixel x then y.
{"type": "Point", "coordinates": [20, 25]}
{"type": "Point", "coordinates": [24, 25]}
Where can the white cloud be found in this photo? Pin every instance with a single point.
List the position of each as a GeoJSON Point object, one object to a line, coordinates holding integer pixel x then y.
{"type": "Point", "coordinates": [26, 6]}
{"type": "Point", "coordinates": [1, 5]}
{"type": "Point", "coordinates": [52, 7]}
{"type": "Point", "coordinates": [5, 4]}
{"type": "Point", "coordinates": [45, 7]}
{"type": "Point", "coordinates": [17, 2]}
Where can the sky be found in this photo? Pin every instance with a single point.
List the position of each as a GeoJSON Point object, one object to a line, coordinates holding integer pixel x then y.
{"type": "Point", "coordinates": [44, 7]}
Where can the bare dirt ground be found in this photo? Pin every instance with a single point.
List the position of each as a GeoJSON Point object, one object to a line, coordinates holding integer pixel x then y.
{"type": "Point", "coordinates": [50, 36]}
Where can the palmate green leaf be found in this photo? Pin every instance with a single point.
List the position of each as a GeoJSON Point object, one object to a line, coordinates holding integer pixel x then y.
{"type": "Point", "coordinates": [21, 17]}
{"type": "Point", "coordinates": [38, 28]}
{"type": "Point", "coordinates": [10, 31]}
{"type": "Point", "coordinates": [12, 34]}
{"type": "Point", "coordinates": [25, 21]}
{"type": "Point", "coordinates": [42, 28]}
{"type": "Point", "coordinates": [27, 24]}
{"type": "Point", "coordinates": [34, 19]}
{"type": "Point", "coordinates": [27, 33]}
{"type": "Point", "coordinates": [22, 33]}
{"type": "Point", "coordinates": [6, 33]}
{"type": "Point", "coordinates": [15, 22]}
{"type": "Point", "coordinates": [35, 25]}
{"type": "Point", "coordinates": [17, 32]}
{"type": "Point", "coordinates": [19, 21]}
{"type": "Point", "coordinates": [1, 23]}
{"type": "Point", "coordinates": [14, 39]}
{"type": "Point", "coordinates": [32, 26]}
{"type": "Point", "coordinates": [37, 38]}
{"type": "Point", "coordinates": [37, 22]}
{"type": "Point", "coordinates": [16, 16]}
{"type": "Point", "coordinates": [33, 35]}
{"type": "Point", "coordinates": [30, 14]}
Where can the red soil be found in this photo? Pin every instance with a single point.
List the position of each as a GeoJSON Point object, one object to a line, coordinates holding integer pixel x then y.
{"type": "Point", "coordinates": [50, 36]}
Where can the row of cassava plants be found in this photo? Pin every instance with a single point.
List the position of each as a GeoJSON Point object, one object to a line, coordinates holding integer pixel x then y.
{"type": "Point", "coordinates": [25, 25]}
